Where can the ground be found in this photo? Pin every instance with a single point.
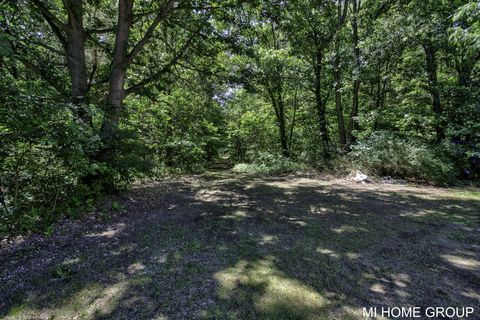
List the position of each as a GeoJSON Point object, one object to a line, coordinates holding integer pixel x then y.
{"type": "Point", "coordinates": [227, 246]}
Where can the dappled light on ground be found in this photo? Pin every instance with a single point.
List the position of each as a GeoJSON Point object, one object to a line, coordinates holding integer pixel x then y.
{"type": "Point", "coordinates": [242, 247]}
{"type": "Point", "coordinates": [89, 303]}
{"type": "Point", "coordinates": [109, 233]}
{"type": "Point", "coordinates": [463, 261]}
{"type": "Point", "coordinates": [273, 293]}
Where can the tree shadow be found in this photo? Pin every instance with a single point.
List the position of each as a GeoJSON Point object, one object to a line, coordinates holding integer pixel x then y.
{"type": "Point", "coordinates": [247, 247]}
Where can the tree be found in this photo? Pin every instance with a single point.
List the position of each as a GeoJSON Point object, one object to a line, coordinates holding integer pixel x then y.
{"type": "Point", "coordinates": [120, 53]}
{"type": "Point", "coordinates": [310, 28]}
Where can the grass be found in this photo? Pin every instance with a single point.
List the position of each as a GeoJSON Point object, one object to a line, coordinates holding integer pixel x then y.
{"type": "Point", "coordinates": [221, 246]}
{"type": "Point", "coordinates": [472, 194]}
{"type": "Point", "coordinates": [275, 294]}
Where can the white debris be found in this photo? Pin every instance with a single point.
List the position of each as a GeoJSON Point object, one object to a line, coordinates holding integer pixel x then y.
{"type": "Point", "coordinates": [360, 177]}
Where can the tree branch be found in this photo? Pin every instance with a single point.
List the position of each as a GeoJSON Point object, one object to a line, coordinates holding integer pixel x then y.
{"type": "Point", "coordinates": [162, 14]}
{"type": "Point", "coordinates": [41, 73]}
{"type": "Point", "coordinates": [50, 48]}
{"type": "Point", "coordinates": [57, 26]}
{"type": "Point", "coordinates": [139, 86]}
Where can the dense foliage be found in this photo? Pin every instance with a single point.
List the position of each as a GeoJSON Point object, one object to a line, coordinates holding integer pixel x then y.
{"type": "Point", "coordinates": [95, 94]}
{"type": "Point", "coordinates": [389, 155]}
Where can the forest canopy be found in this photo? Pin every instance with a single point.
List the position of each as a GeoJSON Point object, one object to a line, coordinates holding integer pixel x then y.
{"type": "Point", "coordinates": [95, 94]}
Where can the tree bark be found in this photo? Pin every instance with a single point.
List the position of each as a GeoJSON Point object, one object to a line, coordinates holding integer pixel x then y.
{"type": "Point", "coordinates": [116, 92]}
{"type": "Point", "coordinates": [122, 59]}
{"type": "Point", "coordinates": [75, 36]}
{"type": "Point", "coordinates": [279, 108]}
{"type": "Point", "coordinates": [352, 123]}
{"type": "Point", "coordinates": [431, 67]}
{"type": "Point", "coordinates": [72, 36]}
{"type": "Point", "coordinates": [320, 104]}
{"type": "Point", "coordinates": [342, 9]}
{"type": "Point", "coordinates": [464, 71]}
{"type": "Point", "coordinates": [283, 131]}
{"type": "Point", "coordinates": [342, 139]}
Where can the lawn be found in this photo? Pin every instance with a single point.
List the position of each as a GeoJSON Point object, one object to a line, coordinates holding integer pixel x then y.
{"type": "Point", "coordinates": [232, 246]}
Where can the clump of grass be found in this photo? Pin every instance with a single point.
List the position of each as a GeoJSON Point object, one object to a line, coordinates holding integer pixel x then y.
{"type": "Point", "coordinates": [249, 168]}
{"type": "Point", "coordinates": [269, 163]}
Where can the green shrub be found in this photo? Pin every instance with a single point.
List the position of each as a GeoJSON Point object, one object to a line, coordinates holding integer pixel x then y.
{"type": "Point", "coordinates": [41, 167]}
{"type": "Point", "coordinates": [387, 154]}
{"type": "Point", "coordinates": [250, 168]}
{"type": "Point", "coordinates": [130, 160]}
{"type": "Point", "coordinates": [269, 163]}
{"type": "Point", "coordinates": [184, 155]}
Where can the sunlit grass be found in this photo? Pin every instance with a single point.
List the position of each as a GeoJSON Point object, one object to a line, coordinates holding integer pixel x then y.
{"type": "Point", "coordinates": [468, 194]}
{"type": "Point", "coordinates": [274, 293]}
{"type": "Point", "coordinates": [88, 303]}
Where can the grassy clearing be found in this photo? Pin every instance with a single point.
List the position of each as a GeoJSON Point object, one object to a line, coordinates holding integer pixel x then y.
{"type": "Point", "coordinates": [223, 246]}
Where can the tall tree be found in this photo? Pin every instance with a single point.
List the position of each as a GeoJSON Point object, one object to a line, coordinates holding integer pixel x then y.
{"type": "Point", "coordinates": [72, 36]}
{"type": "Point", "coordinates": [352, 122]}
{"type": "Point", "coordinates": [311, 27]}
{"type": "Point", "coordinates": [121, 44]}
{"type": "Point", "coordinates": [342, 10]}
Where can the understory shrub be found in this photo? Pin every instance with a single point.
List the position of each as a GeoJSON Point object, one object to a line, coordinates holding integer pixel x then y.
{"type": "Point", "coordinates": [132, 159]}
{"type": "Point", "coordinates": [41, 166]}
{"type": "Point", "coordinates": [387, 154]}
{"type": "Point", "coordinates": [184, 155]}
{"type": "Point", "coordinates": [269, 163]}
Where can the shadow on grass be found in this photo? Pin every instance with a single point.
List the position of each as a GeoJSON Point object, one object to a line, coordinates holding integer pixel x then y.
{"type": "Point", "coordinates": [244, 247]}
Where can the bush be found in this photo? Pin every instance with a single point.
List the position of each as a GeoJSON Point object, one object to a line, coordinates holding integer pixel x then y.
{"type": "Point", "coordinates": [131, 160]}
{"type": "Point", "coordinates": [41, 167]}
{"type": "Point", "coordinates": [269, 163]}
{"type": "Point", "coordinates": [249, 168]}
{"type": "Point", "coordinates": [387, 154]}
{"type": "Point", "coordinates": [184, 155]}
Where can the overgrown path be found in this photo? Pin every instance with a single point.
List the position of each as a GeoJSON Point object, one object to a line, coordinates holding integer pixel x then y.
{"type": "Point", "coordinates": [225, 246]}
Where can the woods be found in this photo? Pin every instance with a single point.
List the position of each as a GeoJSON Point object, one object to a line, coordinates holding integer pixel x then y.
{"type": "Point", "coordinates": [97, 94]}
{"type": "Point", "coordinates": [200, 159]}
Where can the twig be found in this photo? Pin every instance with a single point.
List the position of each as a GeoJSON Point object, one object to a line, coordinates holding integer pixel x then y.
{"type": "Point", "coordinates": [56, 199]}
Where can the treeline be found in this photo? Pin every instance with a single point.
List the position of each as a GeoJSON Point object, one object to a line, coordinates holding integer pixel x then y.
{"type": "Point", "coordinates": [95, 94]}
{"type": "Point", "coordinates": [357, 67]}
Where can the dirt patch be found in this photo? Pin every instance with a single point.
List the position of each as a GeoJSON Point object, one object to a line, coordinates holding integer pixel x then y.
{"type": "Point", "coordinates": [226, 245]}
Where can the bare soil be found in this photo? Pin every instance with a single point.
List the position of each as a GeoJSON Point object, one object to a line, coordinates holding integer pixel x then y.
{"type": "Point", "coordinates": [230, 246]}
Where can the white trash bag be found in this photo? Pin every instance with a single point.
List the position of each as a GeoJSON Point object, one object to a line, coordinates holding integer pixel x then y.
{"type": "Point", "coordinates": [360, 177]}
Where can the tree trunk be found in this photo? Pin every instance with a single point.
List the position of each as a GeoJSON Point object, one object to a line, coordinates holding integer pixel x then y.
{"type": "Point", "coordinates": [72, 37]}
{"type": "Point", "coordinates": [342, 10]}
{"type": "Point", "coordinates": [282, 129]}
{"type": "Point", "coordinates": [352, 122]}
{"type": "Point", "coordinates": [464, 76]}
{"type": "Point", "coordinates": [292, 125]}
{"type": "Point", "coordinates": [464, 81]}
{"type": "Point", "coordinates": [320, 104]}
{"type": "Point", "coordinates": [116, 92]}
{"type": "Point", "coordinates": [75, 36]}
{"type": "Point", "coordinates": [342, 139]}
{"type": "Point", "coordinates": [431, 67]}
{"type": "Point", "coordinates": [380, 97]}
{"type": "Point", "coordinates": [279, 108]}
